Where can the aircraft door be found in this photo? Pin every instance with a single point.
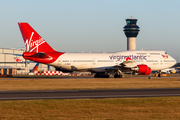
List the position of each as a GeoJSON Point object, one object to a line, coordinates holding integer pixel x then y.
{"type": "Point", "coordinates": [93, 62]}
{"type": "Point", "coordinates": [59, 61]}
{"type": "Point", "coordinates": [161, 60]}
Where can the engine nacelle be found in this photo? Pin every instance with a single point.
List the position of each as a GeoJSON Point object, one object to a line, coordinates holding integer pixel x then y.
{"type": "Point", "coordinates": [142, 69]}
{"type": "Point", "coordinates": [147, 72]}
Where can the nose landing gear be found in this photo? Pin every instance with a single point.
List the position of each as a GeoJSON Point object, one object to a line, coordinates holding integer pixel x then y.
{"type": "Point", "coordinates": [159, 74]}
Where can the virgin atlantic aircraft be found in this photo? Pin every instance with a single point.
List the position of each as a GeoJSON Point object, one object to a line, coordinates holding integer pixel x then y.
{"type": "Point", "coordinates": [140, 61]}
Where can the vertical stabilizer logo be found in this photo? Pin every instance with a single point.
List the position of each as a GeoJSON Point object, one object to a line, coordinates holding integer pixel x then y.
{"type": "Point", "coordinates": [33, 44]}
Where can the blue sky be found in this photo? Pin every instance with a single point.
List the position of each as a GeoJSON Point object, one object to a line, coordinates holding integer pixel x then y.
{"type": "Point", "coordinates": [93, 25]}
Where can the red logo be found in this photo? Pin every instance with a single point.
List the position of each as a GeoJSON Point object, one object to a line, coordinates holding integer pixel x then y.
{"type": "Point", "coordinates": [33, 44]}
{"type": "Point", "coordinates": [18, 60]}
{"type": "Point", "coordinates": [128, 58]}
{"type": "Point", "coordinates": [165, 56]}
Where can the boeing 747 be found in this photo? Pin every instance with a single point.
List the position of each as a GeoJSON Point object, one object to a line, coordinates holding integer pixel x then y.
{"type": "Point", "coordinates": [139, 61]}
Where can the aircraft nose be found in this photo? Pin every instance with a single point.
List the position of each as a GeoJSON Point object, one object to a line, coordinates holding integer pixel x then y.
{"type": "Point", "coordinates": [173, 61]}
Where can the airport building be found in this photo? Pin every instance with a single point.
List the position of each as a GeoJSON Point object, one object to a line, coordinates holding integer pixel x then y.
{"type": "Point", "coordinates": [13, 63]}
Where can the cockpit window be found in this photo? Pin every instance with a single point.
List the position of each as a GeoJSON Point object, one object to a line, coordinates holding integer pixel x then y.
{"type": "Point", "coordinates": [165, 52]}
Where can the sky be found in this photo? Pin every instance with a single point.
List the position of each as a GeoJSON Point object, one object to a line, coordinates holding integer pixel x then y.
{"type": "Point", "coordinates": [93, 25]}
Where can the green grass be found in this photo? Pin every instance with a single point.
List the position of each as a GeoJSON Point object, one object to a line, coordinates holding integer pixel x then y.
{"type": "Point", "coordinates": [86, 83]}
{"type": "Point", "coordinates": [149, 108]}
{"type": "Point", "coordinates": [152, 108]}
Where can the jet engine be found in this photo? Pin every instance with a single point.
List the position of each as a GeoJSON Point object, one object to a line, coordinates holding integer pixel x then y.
{"type": "Point", "coordinates": [142, 69]}
{"type": "Point", "coordinates": [147, 72]}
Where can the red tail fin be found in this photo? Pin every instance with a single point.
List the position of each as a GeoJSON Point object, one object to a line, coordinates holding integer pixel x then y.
{"type": "Point", "coordinates": [33, 41]}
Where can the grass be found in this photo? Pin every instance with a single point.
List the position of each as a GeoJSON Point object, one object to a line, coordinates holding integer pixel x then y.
{"type": "Point", "coordinates": [17, 84]}
{"type": "Point", "coordinates": [152, 108]}
{"type": "Point", "coordinates": [149, 108]}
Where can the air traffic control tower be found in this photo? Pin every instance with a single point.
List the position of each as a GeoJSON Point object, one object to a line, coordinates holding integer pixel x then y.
{"type": "Point", "coordinates": [131, 31]}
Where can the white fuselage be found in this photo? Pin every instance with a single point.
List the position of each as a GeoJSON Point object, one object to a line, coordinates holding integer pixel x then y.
{"type": "Point", "coordinates": [102, 62]}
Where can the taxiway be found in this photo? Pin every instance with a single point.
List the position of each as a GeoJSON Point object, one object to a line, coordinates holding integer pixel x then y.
{"type": "Point", "coordinates": [88, 94]}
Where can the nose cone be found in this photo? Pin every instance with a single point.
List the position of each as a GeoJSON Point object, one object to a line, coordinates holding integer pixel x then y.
{"type": "Point", "coordinates": [172, 61]}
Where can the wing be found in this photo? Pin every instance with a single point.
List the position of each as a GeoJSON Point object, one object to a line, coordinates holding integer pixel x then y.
{"type": "Point", "coordinates": [128, 64]}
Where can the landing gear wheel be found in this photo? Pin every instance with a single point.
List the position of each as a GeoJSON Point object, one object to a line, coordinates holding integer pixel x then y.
{"type": "Point", "coordinates": [105, 76]}
{"type": "Point", "coordinates": [97, 75]}
{"type": "Point", "coordinates": [159, 75]}
{"type": "Point", "coordinates": [118, 76]}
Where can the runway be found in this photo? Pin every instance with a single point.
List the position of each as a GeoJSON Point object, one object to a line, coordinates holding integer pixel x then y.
{"type": "Point", "coordinates": [88, 94]}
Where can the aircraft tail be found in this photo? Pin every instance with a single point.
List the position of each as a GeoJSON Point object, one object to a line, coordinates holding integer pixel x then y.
{"type": "Point", "coordinates": [32, 40]}
{"type": "Point", "coordinates": [35, 69]}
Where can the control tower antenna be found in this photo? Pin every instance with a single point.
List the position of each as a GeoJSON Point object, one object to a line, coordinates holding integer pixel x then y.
{"type": "Point", "coordinates": [131, 31]}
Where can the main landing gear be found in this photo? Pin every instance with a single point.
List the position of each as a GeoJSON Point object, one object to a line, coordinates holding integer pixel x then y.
{"type": "Point", "coordinates": [105, 75]}
{"type": "Point", "coordinates": [101, 75]}
{"type": "Point", "coordinates": [118, 74]}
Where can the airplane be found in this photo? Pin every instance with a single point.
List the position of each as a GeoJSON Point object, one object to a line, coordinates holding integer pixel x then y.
{"type": "Point", "coordinates": [34, 70]}
{"type": "Point", "coordinates": [139, 61]}
{"type": "Point", "coordinates": [170, 70]}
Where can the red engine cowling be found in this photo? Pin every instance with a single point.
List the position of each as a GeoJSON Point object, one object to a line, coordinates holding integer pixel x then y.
{"type": "Point", "coordinates": [147, 72]}
{"type": "Point", "coordinates": [144, 69]}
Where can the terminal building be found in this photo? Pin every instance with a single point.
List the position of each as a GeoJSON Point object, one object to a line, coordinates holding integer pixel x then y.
{"type": "Point", "coordinates": [13, 63]}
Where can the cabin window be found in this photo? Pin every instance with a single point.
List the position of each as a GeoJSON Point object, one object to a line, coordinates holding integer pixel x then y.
{"type": "Point", "coordinates": [166, 60]}
{"type": "Point", "coordinates": [83, 60]}
{"type": "Point", "coordinates": [150, 61]}
{"type": "Point", "coordinates": [138, 60]}
{"type": "Point", "coordinates": [65, 60]}
{"type": "Point", "coordinates": [154, 53]}
{"type": "Point", "coordinates": [141, 53]}
{"type": "Point", "coordinates": [105, 61]}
